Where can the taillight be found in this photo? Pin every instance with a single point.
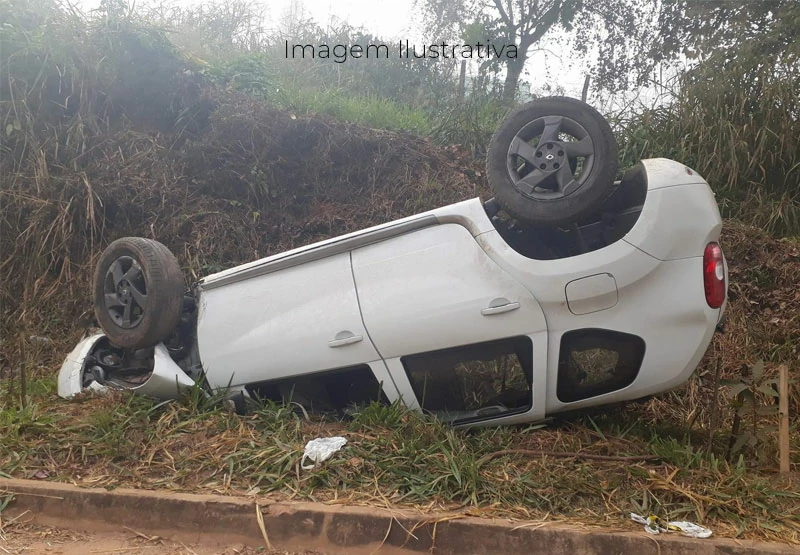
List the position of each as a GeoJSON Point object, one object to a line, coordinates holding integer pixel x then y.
{"type": "Point", "coordinates": [714, 275]}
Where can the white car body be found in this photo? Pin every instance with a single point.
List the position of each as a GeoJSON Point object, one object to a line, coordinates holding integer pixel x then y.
{"type": "Point", "coordinates": [437, 288]}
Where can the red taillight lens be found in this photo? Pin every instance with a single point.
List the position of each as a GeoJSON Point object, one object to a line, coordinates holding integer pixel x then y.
{"type": "Point", "coordinates": [714, 275]}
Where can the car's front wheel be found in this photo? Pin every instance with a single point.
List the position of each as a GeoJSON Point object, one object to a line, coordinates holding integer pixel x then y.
{"type": "Point", "coordinates": [138, 292]}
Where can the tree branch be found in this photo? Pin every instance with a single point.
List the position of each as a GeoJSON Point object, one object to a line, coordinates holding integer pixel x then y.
{"type": "Point", "coordinates": [587, 456]}
{"type": "Point", "coordinates": [503, 15]}
{"type": "Point", "coordinates": [528, 16]}
{"type": "Point", "coordinates": [546, 22]}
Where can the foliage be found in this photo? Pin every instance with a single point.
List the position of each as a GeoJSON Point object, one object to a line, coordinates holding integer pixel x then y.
{"type": "Point", "coordinates": [469, 122]}
{"type": "Point", "coordinates": [618, 29]}
{"type": "Point", "coordinates": [250, 74]}
{"type": "Point", "coordinates": [372, 110]}
{"type": "Point", "coordinates": [746, 396]}
{"type": "Point", "coordinates": [58, 67]}
{"type": "Point", "coordinates": [720, 33]}
{"type": "Point", "coordinates": [400, 458]}
{"type": "Point", "coordinates": [211, 31]}
{"type": "Point", "coordinates": [738, 129]}
{"type": "Point", "coordinates": [231, 37]}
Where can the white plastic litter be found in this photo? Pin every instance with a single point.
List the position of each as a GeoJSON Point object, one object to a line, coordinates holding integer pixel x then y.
{"type": "Point", "coordinates": [321, 449]}
{"type": "Point", "coordinates": [654, 525]}
{"type": "Point", "coordinates": [100, 388]}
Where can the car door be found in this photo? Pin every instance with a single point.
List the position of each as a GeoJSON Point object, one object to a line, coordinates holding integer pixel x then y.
{"type": "Point", "coordinates": [461, 338]}
{"type": "Point", "coordinates": [276, 325]}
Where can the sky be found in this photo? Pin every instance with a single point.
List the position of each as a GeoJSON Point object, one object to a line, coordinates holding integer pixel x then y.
{"type": "Point", "coordinates": [387, 19]}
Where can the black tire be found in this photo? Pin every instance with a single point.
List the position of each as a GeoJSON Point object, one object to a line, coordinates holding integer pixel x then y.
{"type": "Point", "coordinates": [552, 181]}
{"type": "Point", "coordinates": [138, 292]}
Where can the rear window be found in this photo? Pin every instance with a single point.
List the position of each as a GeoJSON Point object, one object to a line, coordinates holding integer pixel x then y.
{"type": "Point", "coordinates": [594, 362]}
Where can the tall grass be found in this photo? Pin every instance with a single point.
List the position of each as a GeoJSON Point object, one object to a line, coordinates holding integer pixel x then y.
{"type": "Point", "coordinates": [740, 129]}
{"type": "Point", "coordinates": [738, 126]}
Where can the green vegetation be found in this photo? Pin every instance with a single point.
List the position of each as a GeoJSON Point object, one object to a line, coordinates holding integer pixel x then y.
{"type": "Point", "coordinates": [595, 470]}
{"type": "Point", "coordinates": [618, 30]}
{"type": "Point", "coordinates": [372, 111]}
{"type": "Point", "coordinates": [745, 142]}
{"type": "Point", "coordinates": [187, 124]}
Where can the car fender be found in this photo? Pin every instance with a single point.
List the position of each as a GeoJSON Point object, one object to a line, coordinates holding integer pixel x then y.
{"type": "Point", "coordinates": [680, 215]}
{"type": "Point", "coordinates": [166, 381]}
{"type": "Point", "coordinates": [70, 377]}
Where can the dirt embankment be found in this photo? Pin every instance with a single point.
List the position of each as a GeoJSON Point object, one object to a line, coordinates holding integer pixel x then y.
{"type": "Point", "coordinates": [237, 182]}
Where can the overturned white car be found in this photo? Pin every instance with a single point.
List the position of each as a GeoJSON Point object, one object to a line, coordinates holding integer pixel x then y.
{"type": "Point", "coordinates": [567, 290]}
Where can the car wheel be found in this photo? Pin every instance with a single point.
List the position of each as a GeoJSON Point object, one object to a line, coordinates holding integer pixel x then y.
{"type": "Point", "coordinates": [138, 292]}
{"type": "Point", "coordinates": [552, 161]}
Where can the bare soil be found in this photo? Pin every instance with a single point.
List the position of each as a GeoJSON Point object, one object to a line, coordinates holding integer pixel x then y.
{"type": "Point", "coordinates": [29, 539]}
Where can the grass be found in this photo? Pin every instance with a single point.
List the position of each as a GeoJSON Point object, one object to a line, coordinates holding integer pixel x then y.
{"type": "Point", "coordinates": [737, 127]}
{"type": "Point", "coordinates": [373, 111]}
{"type": "Point", "coordinates": [286, 86]}
{"type": "Point", "coordinates": [395, 457]}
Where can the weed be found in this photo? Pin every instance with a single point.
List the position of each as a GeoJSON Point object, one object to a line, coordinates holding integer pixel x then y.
{"type": "Point", "coordinates": [747, 394]}
{"type": "Point", "coordinates": [380, 415]}
{"type": "Point", "coordinates": [373, 111]}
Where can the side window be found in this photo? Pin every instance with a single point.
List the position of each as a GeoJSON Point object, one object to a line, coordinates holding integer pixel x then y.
{"type": "Point", "coordinates": [594, 362]}
{"type": "Point", "coordinates": [475, 382]}
{"type": "Point", "coordinates": [324, 392]}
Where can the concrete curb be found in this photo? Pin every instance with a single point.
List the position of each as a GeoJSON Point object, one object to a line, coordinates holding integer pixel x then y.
{"type": "Point", "coordinates": [334, 528]}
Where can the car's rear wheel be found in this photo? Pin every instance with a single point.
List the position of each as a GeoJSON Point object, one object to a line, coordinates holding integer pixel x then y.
{"type": "Point", "coordinates": [552, 161]}
{"type": "Point", "coordinates": [138, 292]}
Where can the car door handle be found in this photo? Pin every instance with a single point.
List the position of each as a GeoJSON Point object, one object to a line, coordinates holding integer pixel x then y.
{"type": "Point", "coordinates": [344, 338]}
{"type": "Point", "coordinates": [499, 306]}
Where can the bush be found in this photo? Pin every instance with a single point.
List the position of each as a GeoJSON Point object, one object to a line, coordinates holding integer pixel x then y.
{"type": "Point", "coordinates": [739, 127]}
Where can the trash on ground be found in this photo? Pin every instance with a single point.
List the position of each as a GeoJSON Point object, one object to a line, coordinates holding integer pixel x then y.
{"type": "Point", "coordinates": [654, 525]}
{"type": "Point", "coordinates": [321, 449]}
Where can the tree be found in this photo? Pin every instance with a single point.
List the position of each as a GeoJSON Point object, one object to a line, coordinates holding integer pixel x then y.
{"type": "Point", "coordinates": [618, 28]}
{"type": "Point", "coordinates": [753, 47]}
{"type": "Point", "coordinates": [720, 32]}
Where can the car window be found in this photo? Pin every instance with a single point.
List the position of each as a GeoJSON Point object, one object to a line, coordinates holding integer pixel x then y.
{"type": "Point", "coordinates": [334, 391]}
{"type": "Point", "coordinates": [595, 362]}
{"type": "Point", "coordinates": [474, 382]}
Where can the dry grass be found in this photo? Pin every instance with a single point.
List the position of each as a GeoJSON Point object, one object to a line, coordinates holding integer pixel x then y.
{"type": "Point", "coordinates": [395, 458]}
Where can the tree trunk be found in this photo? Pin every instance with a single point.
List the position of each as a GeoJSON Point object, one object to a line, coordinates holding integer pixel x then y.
{"type": "Point", "coordinates": [513, 71]}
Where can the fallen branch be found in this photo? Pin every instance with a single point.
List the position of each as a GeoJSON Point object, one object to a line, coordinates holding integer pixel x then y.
{"type": "Point", "coordinates": [587, 456]}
